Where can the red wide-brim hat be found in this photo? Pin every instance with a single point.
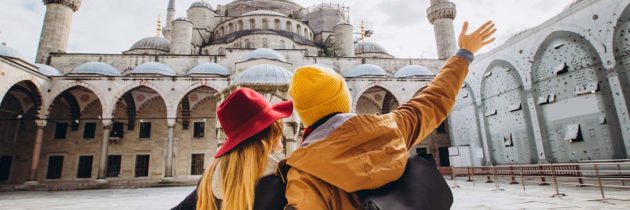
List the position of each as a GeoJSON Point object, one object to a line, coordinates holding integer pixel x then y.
{"type": "Point", "coordinates": [244, 113]}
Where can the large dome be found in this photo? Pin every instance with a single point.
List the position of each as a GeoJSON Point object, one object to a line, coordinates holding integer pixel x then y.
{"type": "Point", "coordinates": [412, 71]}
{"type": "Point", "coordinates": [153, 43]}
{"type": "Point", "coordinates": [10, 52]}
{"type": "Point", "coordinates": [48, 70]}
{"type": "Point", "coordinates": [369, 47]}
{"type": "Point", "coordinates": [263, 12]}
{"type": "Point", "coordinates": [264, 74]}
{"type": "Point", "coordinates": [203, 4]}
{"type": "Point", "coordinates": [154, 68]}
{"type": "Point", "coordinates": [369, 70]}
{"type": "Point", "coordinates": [96, 68]}
{"type": "Point", "coordinates": [264, 53]}
{"type": "Point", "coordinates": [209, 69]}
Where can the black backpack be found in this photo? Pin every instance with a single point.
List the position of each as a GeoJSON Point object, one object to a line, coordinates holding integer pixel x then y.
{"type": "Point", "coordinates": [420, 187]}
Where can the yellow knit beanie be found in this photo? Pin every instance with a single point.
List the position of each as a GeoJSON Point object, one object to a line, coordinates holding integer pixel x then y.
{"type": "Point", "coordinates": [318, 92]}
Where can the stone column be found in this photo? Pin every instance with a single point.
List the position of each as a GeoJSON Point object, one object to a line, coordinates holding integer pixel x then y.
{"type": "Point", "coordinates": [102, 168]}
{"type": "Point", "coordinates": [169, 149]}
{"type": "Point", "coordinates": [37, 149]}
{"type": "Point", "coordinates": [621, 107]}
{"type": "Point", "coordinates": [484, 136]}
{"type": "Point", "coordinates": [536, 128]}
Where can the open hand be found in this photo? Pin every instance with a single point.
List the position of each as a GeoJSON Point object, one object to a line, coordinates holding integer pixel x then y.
{"type": "Point", "coordinates": [477, 39]}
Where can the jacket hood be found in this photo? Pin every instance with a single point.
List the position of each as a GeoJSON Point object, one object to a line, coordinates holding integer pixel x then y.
{"type": "Point", "coordinates": [353, 157]}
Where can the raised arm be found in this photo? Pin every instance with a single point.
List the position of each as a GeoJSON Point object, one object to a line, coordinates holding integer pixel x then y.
{"type": "Point", "coordinates": [422, 114]}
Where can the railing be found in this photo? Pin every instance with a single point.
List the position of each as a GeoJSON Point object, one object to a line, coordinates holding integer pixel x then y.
{"type": "Point", "coordinates": [601, 174]}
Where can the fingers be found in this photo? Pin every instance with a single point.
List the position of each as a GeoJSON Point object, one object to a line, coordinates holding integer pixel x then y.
{"type": "Point", "coordinates": [483, 27]}
{"type": "Point", "coordinates": [489, 34]}
{"type": "Point", "coordinates": [489, 41]}
{"type": "Point", "coordinates": [487, 30]}
{"type": "Point", "coordinates": [464, 30]}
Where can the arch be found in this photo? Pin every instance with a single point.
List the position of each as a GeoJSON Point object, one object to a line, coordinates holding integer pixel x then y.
{"type": "Point", "coordinates": [69, 86]}
{"type": "Point", "coordinates": [132, 86]}
{"type": "Point", "coordinates": [388, 99]}
{"type": "Point", "coordinates": [252, 24]}
{"type": "Point", "coordinates": [506, 116]}
{"type": "Point", "coordinates": [265, 23]}
{"type": "Point", "coordinates": [240, 25]}
{"type": "Point", "coordinates": [32, 84]}
{"type": "Point", "coordinates": [185, 107]}
{"type": "Point", "coordinates": [568, 67]}
{"type": "Point", "coordinates": [298, 29]}
{"type": "Point", "coordinates": [277, 24]}
{"type": "Point", "coordinates": [230, 28]}
{"type": "Point", "coordinates": [72, 99]}
{"type": "Point", "coordinates": [289, 26]}
{"type": "Point", "coordinates": [265, 43]}
{"type": "Point", "coordinates": [560, 29]}
{"type": "Point", "coordinates": [248, 44]}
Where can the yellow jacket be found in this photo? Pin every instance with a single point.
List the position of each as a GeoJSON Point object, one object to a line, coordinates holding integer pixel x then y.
{"type": "Point", "coordinates": [369, 151]}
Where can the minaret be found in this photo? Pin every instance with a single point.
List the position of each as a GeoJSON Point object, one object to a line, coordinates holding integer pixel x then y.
{"type": "Point", "coordinates": [56, 29]}
{"type": "Point", "coordinates": [441, 14]}
{"type": "Point", "coordinates": [170, 16]}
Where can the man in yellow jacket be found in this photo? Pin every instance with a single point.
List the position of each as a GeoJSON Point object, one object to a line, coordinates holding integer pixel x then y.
{"type": "Point", "coordinates": [342, 152]}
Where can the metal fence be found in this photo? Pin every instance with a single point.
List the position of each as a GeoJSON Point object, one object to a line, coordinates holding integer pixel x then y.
{"type": "Point", "coordinates": [601, 174]}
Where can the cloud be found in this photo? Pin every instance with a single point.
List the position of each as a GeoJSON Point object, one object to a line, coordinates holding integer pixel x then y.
{"type": "Point", "coordinates": [401, 26]}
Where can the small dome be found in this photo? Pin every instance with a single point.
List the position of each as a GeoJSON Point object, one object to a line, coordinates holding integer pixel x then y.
{"type": "Point", "coordinates": [10, 52]}
{"type": "Point", "coordinates": [265, 74]}
{"type": "Point", "coordinates": [181, 19]}
{"type": "Point", "coordinates": [201, 4]}
{"type": "Point", "coordinates": [264, 53]}
{"type": "Point", "coordinates": [366, 70]}
{"type": "Point", "coordinates": [369, 47]}
{"type": "Point", "coordinates": [263, 12]}
{"type": "Point", "coordinates": [154, 68]}
{"type": "Point", "coordinates": [412, 71]}
{"type": "Point", "coordinates": [152, 43]}
{"type": "Point", "coordinates": [209, 69]}
{"type": "Point", "coordinates": [96, 68]}
{"type": "Point", "coordinates": [48, 70]}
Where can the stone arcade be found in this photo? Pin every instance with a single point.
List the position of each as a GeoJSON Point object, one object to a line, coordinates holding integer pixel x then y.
{"type": "Point", "coordinates": [148, 115]}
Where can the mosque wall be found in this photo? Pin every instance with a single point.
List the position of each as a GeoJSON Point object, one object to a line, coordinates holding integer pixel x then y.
{"type": "Point", "coordinates": [552, 91]}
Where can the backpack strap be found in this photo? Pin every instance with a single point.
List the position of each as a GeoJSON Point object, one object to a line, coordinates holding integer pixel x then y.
{"type": "Point", "coordinates": [283, 170]}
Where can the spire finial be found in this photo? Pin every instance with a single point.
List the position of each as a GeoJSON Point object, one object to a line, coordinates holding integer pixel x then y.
{"type": "Point", "coordinates": [159, 26]}
{"type": "Point", "coordinates": [362, 32]}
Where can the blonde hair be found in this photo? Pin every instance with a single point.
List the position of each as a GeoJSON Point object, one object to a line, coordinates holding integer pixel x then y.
{"type": "Point", "coordinates": [240, 169]}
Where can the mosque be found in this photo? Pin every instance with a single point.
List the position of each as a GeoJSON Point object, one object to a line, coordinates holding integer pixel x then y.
{"type": "Point", "coordinates": [147, 115]}
{"type": "Point", "coordinates": [557, 92]}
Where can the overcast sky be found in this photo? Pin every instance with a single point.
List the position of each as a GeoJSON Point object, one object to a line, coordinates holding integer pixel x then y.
{"type": "Point", "coordinates": [401, 26]}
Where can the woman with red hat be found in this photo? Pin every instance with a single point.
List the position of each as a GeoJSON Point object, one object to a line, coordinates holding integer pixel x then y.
{"type": "Point", "coordinates": [254, 130]}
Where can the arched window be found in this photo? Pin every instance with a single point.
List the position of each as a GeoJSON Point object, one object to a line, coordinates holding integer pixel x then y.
{"type": "Point", "coordinates": [240, 25]}
{"type": "Point", "coordinates": [248, 44]}
{"type": "Point", "coordinates": [298, 29]}
{"type": "Point", "coordinates": [289, 26]}
{"type": "Point", "coordinates": [277, 25]}
{"type": "Point", "coordinates": [252, 24]}
{"type": "Point", "coordinates": [265, 24]}
{"type": "Point", "coordinates": [305, 32]}
{"type": "Point", "coordinates": [230, 28]}
{"type": "Point", "coordinates": [221, 31]}
{"type": "Point", "coordinates": [265, 44]}
{"type": "Point", "coordinates": [221, 51]}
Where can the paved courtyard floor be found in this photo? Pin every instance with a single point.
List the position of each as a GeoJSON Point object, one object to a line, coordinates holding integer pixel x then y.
{"type": "Point", "coordinates": [480, 196]}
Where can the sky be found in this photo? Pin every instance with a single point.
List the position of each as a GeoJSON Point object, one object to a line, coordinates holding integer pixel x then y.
{"type": "Point", "coordinates": [401, 26]}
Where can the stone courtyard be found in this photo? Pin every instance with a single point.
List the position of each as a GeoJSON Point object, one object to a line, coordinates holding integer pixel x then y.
{"type": "Point", "coordinates": [479, 196]}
